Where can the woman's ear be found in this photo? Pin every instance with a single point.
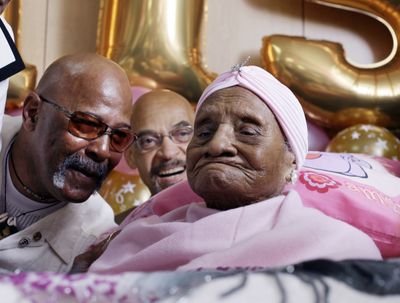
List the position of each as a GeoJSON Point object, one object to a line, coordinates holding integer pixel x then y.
{"type": "Point", "coordinates": [30, 111]}
{"type": "Point", "coordinates": [129, 155]}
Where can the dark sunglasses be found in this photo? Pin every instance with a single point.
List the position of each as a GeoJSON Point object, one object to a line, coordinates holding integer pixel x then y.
{"type": "Point", "coordinates": [87, 126]}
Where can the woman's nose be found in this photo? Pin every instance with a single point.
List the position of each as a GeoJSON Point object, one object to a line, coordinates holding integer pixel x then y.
{"type": "Point", "coordinates": [222, 142]}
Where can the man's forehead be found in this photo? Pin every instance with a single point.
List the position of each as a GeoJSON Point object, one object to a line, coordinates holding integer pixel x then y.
{"type": "Point", "coordinates": [167, 123]}
{"type": "Point", "coordinates": [157, 116]}
{"type": "Point", "coordinates": [80, 92]}
{"type": "Point", "coordinates": [158, 101]}
{"type": "Point", "coordinates": [151, 130]}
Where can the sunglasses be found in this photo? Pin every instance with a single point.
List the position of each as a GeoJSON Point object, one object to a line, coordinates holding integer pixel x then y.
{"type": "Point", "coordinates": [89, 127]}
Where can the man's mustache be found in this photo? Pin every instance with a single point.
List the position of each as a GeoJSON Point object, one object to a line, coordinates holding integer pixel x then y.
{"type": "Point", "coordinates": [86, 165]}
{"type": "Point", "coordinates": [166, 165]}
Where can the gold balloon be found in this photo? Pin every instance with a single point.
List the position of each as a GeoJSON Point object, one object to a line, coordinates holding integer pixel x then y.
{"type": "Point", "coordinates": [23, 82]}
{"type": "Point", "coordinates": [20, 86]}
{"type": "Point", "coordinates": [123, 191]}
{"type": "Point", "coordinates": [157, 42]}
{"type": "Point", "coordinates": [366, 139]}
{"type": "Point", "coordinates": [334, 92]}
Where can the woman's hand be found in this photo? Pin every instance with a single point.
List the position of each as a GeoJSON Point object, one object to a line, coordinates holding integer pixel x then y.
{"type": "Point", "coordinates": [83, 261]}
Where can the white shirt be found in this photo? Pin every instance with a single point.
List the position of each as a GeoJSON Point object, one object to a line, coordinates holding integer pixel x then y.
{"type": "Point", "coordinates": [52, 243]}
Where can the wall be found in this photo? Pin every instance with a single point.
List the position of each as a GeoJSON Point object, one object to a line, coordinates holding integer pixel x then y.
{"type": "Point", "coordinates": [233, 30]}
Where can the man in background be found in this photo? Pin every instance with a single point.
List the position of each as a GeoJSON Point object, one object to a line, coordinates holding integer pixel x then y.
{"type": "Point", "coordinates": [163, 122]}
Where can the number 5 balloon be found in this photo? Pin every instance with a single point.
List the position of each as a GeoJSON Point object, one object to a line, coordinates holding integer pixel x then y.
{"type": "Point", "coordinates": [335, 93]}
{"type": "Point", "coordinates": [157, 42]}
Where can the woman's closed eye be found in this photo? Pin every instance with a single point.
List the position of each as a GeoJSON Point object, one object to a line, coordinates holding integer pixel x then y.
{"type": "Point", "coordinates": [203, 133]}
{"type": "Point", "coordinates": [249, 131]}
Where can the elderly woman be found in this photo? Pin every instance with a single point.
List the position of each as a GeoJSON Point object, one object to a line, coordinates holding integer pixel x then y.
{"type": "Point", "coordinates": [250, 138]}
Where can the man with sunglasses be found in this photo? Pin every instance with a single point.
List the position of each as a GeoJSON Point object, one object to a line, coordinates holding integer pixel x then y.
{"type": "Point", "coordinates": [73, 131]}
{"type": "Point", "coordinates": [162, 121]}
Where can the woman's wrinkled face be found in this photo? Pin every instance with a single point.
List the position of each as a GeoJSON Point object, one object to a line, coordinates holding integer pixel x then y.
{"type": "Point", "coordinates": [238, 154]}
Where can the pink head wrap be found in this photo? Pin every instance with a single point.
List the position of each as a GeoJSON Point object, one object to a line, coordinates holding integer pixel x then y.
{"type": "Point", "coordinates": [279, 99]}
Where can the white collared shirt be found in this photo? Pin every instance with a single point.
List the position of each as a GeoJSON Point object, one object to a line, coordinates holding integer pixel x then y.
{"type": "Point", "coordinates": [52, 243]}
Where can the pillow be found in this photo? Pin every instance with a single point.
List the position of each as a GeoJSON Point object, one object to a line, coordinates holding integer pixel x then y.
{"type": "Point", "coordinates": [362, 190]}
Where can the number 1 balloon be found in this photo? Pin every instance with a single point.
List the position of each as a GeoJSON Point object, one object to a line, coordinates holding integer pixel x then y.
{"type": "Point", "coordinates": [157, 42]}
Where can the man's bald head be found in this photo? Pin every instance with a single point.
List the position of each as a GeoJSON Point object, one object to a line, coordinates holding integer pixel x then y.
{"type": "Point", "coordinates": [163, 121]}
{"type": "Point", "coordinates": [155, 99]}
{"type": "Point", "coordinates": [78, 71]}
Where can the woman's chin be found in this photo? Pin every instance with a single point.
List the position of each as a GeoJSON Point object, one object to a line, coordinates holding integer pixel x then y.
{"type": "Point", "coordinates": [222, 197]}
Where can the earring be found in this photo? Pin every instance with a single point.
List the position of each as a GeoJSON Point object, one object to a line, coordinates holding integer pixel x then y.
{"type": "Point", "coordinates": [292, 178]}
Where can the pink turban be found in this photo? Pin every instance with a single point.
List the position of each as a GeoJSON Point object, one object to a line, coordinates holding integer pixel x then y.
{"type": "Point", "coordinates": [279, 99]}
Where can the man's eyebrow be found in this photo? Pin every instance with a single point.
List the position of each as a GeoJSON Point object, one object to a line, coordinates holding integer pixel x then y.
{"type": "Point", "coordinates": [182, 124]}
{"type": "Point", "coordinates": [146, 132]}
{"type": "Point", "coordinates": [118, 125]}
{"type": "Point", "coordinates": [177, 125]}
{"type": "Point", "coordinates": [123, 125]}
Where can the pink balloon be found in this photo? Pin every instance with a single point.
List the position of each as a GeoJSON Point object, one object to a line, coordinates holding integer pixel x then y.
{"type": "Point", "coordinates": [138, 91]}
{"type": "Point", "coordinates": [14, 112]}
{"type": "Point", "coordinates": [317, 137]}
{"type": "Point", "coordinates": [123, 166]}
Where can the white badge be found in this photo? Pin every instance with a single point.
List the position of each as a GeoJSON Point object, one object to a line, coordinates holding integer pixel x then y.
{"type": "Point", "coordinates": [12, 221]}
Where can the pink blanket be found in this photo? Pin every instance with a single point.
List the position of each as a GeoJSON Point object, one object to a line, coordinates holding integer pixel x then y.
{"type": "Point", "coordinates": [276, 232]}
{"type": "Point", "coordinates": [360, 190]}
